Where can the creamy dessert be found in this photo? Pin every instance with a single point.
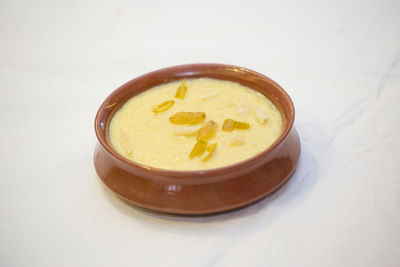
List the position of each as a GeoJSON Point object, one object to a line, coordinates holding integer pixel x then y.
{"type": "Point", "coordinates": [195, 124]}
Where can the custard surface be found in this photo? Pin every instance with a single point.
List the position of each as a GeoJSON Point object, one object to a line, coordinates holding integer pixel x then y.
{"type": "Point", "coordinates": [149, 138]}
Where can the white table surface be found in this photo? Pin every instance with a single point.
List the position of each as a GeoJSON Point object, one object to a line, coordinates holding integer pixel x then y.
{"type": "Point", "coordinates": [338, 60]}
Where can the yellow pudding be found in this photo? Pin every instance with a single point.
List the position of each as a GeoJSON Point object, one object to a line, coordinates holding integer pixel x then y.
{"type": "Point", "coordinates": [195, 124]}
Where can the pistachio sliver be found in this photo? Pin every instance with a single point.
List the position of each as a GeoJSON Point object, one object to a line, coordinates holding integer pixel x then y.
{"type": "Point", "coordinates": [207, 131]}
{"type": "Point", "coordinates": [198, 149]}
{"type": "Point", "coordinates": [163, 106]}
{"type": "Point", "coordinates": [187, 117]}
{"type": "Point", "coordinates": [181, 91]}
{"type": "Point", "coordinates": [241, 125]}
{"type": "Point", "coordinates": [210, 149]}
{"type": "Point", "coordinates": [229, 125]}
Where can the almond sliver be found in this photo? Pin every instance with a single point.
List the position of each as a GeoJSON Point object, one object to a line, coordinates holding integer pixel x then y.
{"type": "Point", "coordinates": [209, 95]}
{"type": "Point", "coordinates": [191, 130]}
{"type": "Point", "coordinates": [244, 109]}
{"type": "Point", "coordinates": [237, 140]}
{"type": "Point", "coordinates": [261, 115]}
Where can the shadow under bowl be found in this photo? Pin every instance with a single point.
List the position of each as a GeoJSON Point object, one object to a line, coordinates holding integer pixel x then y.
{"type": "Point", "coordinates": [203, 191]}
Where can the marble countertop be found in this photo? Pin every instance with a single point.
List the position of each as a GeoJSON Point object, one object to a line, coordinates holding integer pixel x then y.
{"type": "Point", "coordinates": [338, 60]}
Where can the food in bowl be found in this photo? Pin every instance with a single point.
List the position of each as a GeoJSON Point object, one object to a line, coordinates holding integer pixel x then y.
{"type": "Point", "coordinates": [195, 124]}
{"type": "Point", "coordinates": [201, 191]}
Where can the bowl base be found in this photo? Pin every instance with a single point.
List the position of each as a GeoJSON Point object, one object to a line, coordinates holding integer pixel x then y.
{"type": "Point", "coordinates": [202, 198]}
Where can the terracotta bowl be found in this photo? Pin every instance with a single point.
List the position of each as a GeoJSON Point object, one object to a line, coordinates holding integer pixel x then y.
{"type": "Point", "coordinates": [205, 191]}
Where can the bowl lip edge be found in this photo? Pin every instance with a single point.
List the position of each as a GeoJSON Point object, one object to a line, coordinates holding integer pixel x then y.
{"type": "Point", "coordinates": [203, 173]}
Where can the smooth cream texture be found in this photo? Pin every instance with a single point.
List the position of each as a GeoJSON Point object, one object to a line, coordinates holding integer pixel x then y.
{"type": "Point", "coordinates": [150, 139]}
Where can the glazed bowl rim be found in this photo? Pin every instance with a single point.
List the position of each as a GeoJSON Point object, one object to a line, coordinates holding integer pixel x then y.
{"type": "Point", "coordinates": [192, 174]}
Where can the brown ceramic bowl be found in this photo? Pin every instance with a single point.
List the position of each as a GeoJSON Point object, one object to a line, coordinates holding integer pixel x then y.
{"type": "Point", "coordinates": [205, 191]}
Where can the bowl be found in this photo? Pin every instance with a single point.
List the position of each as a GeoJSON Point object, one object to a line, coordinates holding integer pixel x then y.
{"type": "Point", "coordinates": [203, 191]}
